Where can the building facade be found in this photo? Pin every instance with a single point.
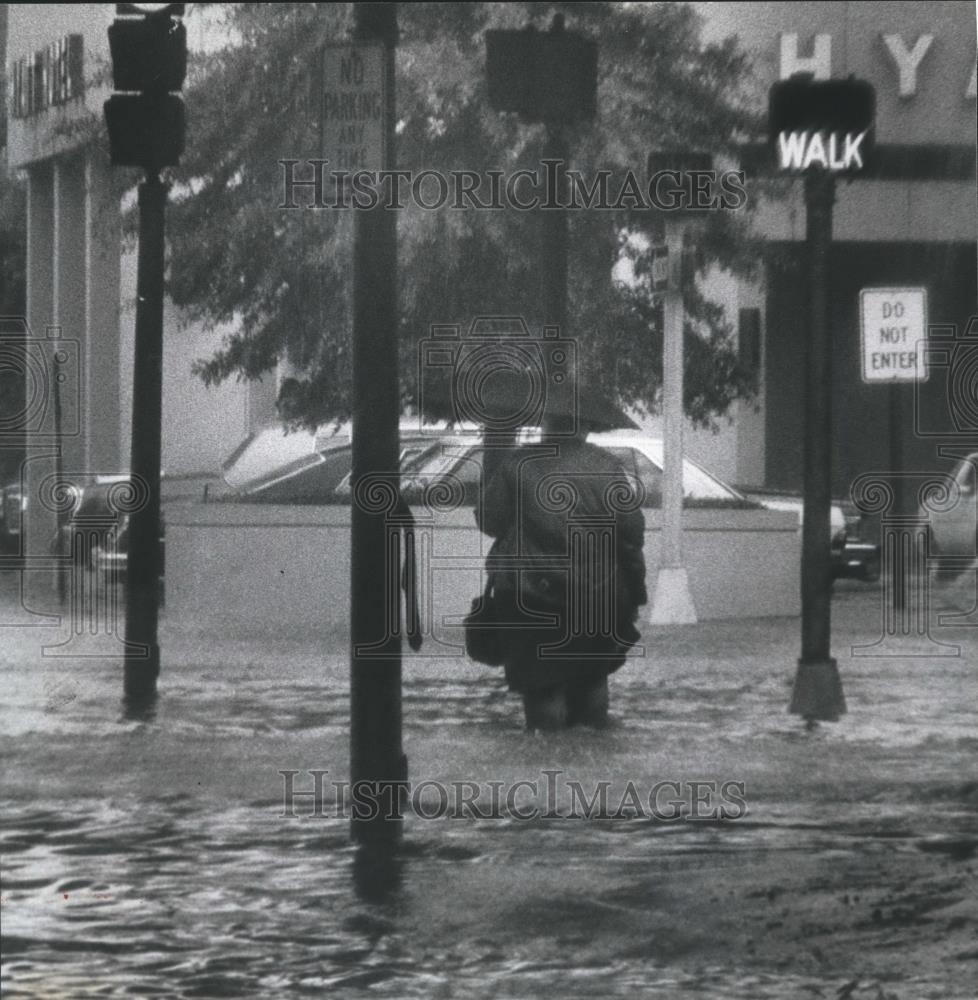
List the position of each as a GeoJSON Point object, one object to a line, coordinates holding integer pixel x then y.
{"type": "Point", "coordinates": [81, 280]}
{"type": "Point", "coordinates": [911, 222]}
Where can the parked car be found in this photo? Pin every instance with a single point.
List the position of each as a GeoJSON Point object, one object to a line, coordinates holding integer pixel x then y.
{"type": "Point", "coordinates": [953, 532]}
{"type": "Point", "coordinates": [111, 557]}
{"type": "Point", "coordinates": [457, 458]}
{"type": "Point", "coordinates": [89, 520]}
{"type": "Point", "coordinates": [13, 504]}
{"type": "Point", "coordinates": [316, 470]}
{"type": "Point", "coordinates": [312, 479]}
{"type": "Point", "coordinates": [266, 454]}
{"type": "Point", "coordinates": [97, 532]}
{"type": "Point", "coordinates": [322, 476]}
{"type": "Point", "coordinates": [852, 556]}
{"type": "Point", "coordinates": [860, 558]}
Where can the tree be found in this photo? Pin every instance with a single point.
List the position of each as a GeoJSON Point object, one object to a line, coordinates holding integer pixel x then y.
{"type": "Point", "coordinates": [283, 276]}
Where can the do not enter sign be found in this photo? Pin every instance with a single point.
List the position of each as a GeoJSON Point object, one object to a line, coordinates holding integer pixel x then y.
{"type": "Point", "coordinates": [894, 334]}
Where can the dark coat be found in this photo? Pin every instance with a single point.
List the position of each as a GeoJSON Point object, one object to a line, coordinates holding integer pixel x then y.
{"type": "Point", "coordinates": [567, 563]}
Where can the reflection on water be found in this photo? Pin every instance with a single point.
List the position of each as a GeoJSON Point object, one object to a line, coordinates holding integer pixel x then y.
{"type": "Point", "coordinates": [148, 856]}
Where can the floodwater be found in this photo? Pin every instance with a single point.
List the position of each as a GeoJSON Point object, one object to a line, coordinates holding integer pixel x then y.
{"type": "Point", "coordinates": [151, 857]}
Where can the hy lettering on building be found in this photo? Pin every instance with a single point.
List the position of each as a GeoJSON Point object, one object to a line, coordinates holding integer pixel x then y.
{"type": "Point", "coordinates": [906, 60]}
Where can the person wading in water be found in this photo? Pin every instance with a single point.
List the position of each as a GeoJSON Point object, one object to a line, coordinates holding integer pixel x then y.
{"type": "Point", "coordinates": [567, 569]}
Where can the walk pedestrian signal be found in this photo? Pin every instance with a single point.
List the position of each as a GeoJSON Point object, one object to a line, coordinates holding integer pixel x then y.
{"type": "Point", "coordinates": [149, 64]}
{"type": "Point", "coordinates": [822, 123]}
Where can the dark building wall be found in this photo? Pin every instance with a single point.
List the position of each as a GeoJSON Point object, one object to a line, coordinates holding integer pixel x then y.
{"type": "Point", "coordinates": [860, 420]}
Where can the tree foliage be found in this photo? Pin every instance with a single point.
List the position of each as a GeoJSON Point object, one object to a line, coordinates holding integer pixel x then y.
{"type": "Point", "coordinates": [283, 276]}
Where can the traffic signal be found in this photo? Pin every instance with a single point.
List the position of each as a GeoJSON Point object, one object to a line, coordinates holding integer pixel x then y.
{"type": "Point", "coordinates": [803, 104]}
{"type": "Point", "coordinates": [824, 123]}
{"type": "Point", "coordinates": [549, 76]}
{"type": "Point", "coordinates": [147, 124]}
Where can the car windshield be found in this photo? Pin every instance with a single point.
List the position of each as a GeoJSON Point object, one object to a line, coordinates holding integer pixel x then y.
{"type": "Point", "coordinates": [314, 481]}
{"type": "Point", "coordinates": [266, 452]}
{"type": "Point", "coordinates": [646, 464]}
{"type": "Point", "coordinates": [320, 478]}
{"type": "Point", "coordinates": [965, 475]}
{"type": "Point", "coordinates": [442, 457]}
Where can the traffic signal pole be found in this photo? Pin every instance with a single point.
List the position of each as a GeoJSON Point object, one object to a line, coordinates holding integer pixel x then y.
{"type": "Point", "coordinates": [146, 127]}
{"type": "Point", "coordinates": [378, 766]}
{"type": "Point", "coordinates": [817, 693]}
{"type": "Point", "coordinates": [809, 122]}
{"type": "Point", "coordinates": [554, 235]}
{"type": "Point", "coordinates": [899, 582]}
{"type": "Point", "coordinates": [142, 663]}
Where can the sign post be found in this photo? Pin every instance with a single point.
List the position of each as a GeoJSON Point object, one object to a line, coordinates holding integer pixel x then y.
{"type": "Point", "coordinates": [819, 129]}
{"type": "Point", "coordinates": [893, 329]}
{"type": "Point", "coordinates": [549, 77]}
{"type": "Point", "coordinates": [672, 600]}
{"type": "Point", "coordinates": [378, 766]}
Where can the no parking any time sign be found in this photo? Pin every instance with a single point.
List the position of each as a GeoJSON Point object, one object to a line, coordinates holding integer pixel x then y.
{"type": "Point", "coordinates": [352, 107]}
{"type": "Point", "coordinates": [894, 334]}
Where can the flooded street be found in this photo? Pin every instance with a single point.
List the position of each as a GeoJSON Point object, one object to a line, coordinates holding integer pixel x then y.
{"type": "Point", "coordinates": [152, 858]}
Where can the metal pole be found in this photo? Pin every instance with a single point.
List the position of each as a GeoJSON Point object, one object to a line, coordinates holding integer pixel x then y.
{"type": "Point", "coordinates": [672, 601]}
{"type": "Point", "coordinates": [672, 407]}
{"type": "Point", "coordinates": [898, 566]}
{"type": "Point", "coordinates": [142, 665]}
{"type": "Point", "coordinates": [64, 550]}
{"type": "Point", "coordinates": [377, 761]}
{"type": "Point", "coordinates": [817, 691]}
{"type": "Point", "coordinates": [554, 239]}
